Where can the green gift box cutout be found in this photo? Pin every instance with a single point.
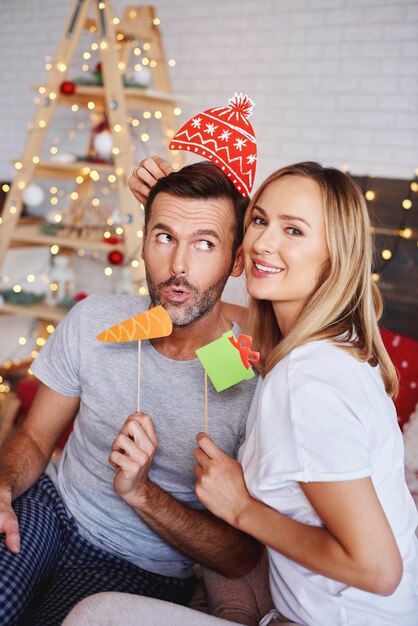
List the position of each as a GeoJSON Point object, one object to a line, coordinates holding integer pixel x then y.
{"type": "Point", "coordinates": [224, 358]}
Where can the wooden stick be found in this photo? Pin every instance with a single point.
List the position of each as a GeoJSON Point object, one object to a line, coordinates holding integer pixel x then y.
{"type": "Point", "coordinates": [138, 399]}
{"type": "Point", "coordinates": [206, 404]}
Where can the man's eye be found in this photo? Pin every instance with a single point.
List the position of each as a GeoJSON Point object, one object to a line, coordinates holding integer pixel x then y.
{"type": "Point", "coordinates": [164, 238]}
{"type": "Point", "coordinates": [205, 245]}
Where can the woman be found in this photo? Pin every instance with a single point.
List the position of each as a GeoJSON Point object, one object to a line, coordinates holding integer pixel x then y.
{"type": "Point", "coordinates": [322, 481]}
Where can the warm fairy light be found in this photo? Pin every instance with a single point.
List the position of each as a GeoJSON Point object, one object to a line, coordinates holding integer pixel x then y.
{"type": "Point", "coordinates": [18, 165]}
{"type": "Point", "coordinates": [137, 52]}
{"type": "Point", "coordinates": [54, 249]}
{"type": "Point", "coordinates": [111, 178]}
{"type": "Point", "coordinates": [146, 115]}
{"type": "Point", "coordinates": [53, 287]}
{"type": "Point", "coordinates": [41, 123]}
{"type": "Point", "coordinates": [122, 65]}
{"type": "Point", "coordinates": [345, 168]}
{"type": "Point", "coordinates": [21, 184]}
{"type": "Point", "coordinates": [103, 45]}
{"type": "Point", "coordinates": [81, 252]}
{"type": "Point", "coordinates": [386, 254]}
{"type": "Point", "coordinates": [94, 46]}
{"type": "Point", "coordinates": [58, 218]}
{"type": "Point", "coordinates": [414, 186]}
{"type": "Point", "coordinates": [116, 21]}
{"type": "Point", "coordinates": [406, 204]}
{"type": "Point", "coordinates": [72, 134]}
{"type": "Point", "coordinates": [119, 171]}
{"type": "Point", "coordinates": [53, 150]}
{"type": "Point", "coordinates": [170, 133]}
{"type": "Point", "coordinates": [156, 21]}
{"type": "Point", "coordinates": [91, 105]}
{"type": "Point", "coordinates": [12, 210]}
{"type": "Point", "coordinates": [135, 122]}
{"type": "Point", "coordinates": [17, 288]}
{"type": "Point", "coordinates": [52, 95]}
{"type": "Point", "coordinates": [30, 278]}
{"type": "Point", "coordinates": [115, 150]}
{"type": "Point", "coordinates": [153, 63]}
{"type": "Point", "coordinates": [86, 56]}
{"type": "Point", "coordinates": [6, 279]}
{"type": "Point", "coordinates": [1, 220]}
{"type": "Point", "coordinates": [142, 291]}
{"type": "Point", "coordinates": [85, 67]}
{"type": "Point", "coordinates": [34, 354]}
{"type": "Point", "coordinates": [107, 234]}
{"type": "Point", "coordinates": [135, 263]}
{"type": "Point", "coordinates": [54, 201]}
{"type": "Point", "coordinates": [74, 195]}
{"type": "Point", "coordinates": [370, 195]}
{"type": "Point", "coordinates": [117, 128]}
{"type": "Point", "coordinates": [95, 202]}
{"type": "Point", "coordinates": [144, 137]}
{"type": "Point", "coordinates": [147, 46]}
{"type": "Point", "coordinates": [42, 90]}
{"type": "Point", "coordinates": [35, 160]}
{"type": "Point", "coordinates": [140, 234]}
{"type": "Point", "coordinates": [145, 60]}
{"type": "Point", "coordinates": [132, 14]}
{"type": "Point", "coordinates": [94, 175]}
{"type": "Point", "coordinates": [86, 170]}
{"type": "Point", "coordinates": [176, 166]}
{"type": "Point", "coordinates": [158, 115]}
{"type": "Point", "coordinates": [5, 187]}
{"type": "Point", "coordinates": [30, 372]}
{"type": "Point", "coordinates": [53, 189]}
{"type": "Point", "coordinates": [416, 172]}
{"type": "Point", "coordinates": [177, 111]}
{"type": "Point", "coordinates": [406, 233]}
{"type": "Point", "coordinates": [120, 37]}
{"type": "Point", "coordinates": [79, 179]}
{"type": "Point", "coordinates": [108, 271]}
{"type": "Point", "coordinates": [172, 62]}
{"type": "Point", "coordinates": [119, 230]}
{"type": "Point", "coordinates": [101, 5]}
{"type": "Point", "coordinates": [48, 66]}
{"type": "Point", "coordinates": [61, 67]}
{"type": "Point", "coordinates": [138, 67]}
{"type": "Point", "coordinates": [22, 341]}
{"type": "Point", "coordinates": [40, 341]}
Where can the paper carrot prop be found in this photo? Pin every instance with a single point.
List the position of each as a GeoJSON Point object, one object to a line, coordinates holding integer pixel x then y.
{"type": "Point", "coordinates": [150, 324]}
{"type": "Point", "coordinates": [227, 361]}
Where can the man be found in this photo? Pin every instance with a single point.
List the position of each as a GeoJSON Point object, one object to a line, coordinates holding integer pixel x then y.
{"type": "Point", "coordinates": [73, 532]}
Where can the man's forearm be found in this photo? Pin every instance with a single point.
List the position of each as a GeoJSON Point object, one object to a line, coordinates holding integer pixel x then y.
{"type": "Point", "coordinates": [198, 534]}
{"type": "Point", "coordinates": [21, 464]}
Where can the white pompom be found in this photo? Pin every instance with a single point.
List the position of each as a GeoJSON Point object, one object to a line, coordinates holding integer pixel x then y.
{"type": "Point", "coordinates": [143, 77]}
{"type": "Point", "coordinates": [103, 144]}
{"type": "Point", "coordinates": [33, 195]}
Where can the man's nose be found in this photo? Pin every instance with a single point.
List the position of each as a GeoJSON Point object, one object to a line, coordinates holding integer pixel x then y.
{"type": "Point", "coordinates": [179, 262]}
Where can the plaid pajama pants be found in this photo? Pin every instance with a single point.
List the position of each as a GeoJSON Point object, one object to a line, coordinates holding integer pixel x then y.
{"type": "Point", "coordinates": [56, 567]}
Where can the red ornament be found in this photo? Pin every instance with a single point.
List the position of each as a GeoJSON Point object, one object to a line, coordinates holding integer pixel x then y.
{"type": "Point", "coordinates": [113, 239]}
{"type": "Point", "coordinates": [99, 68]}
{"type": "Point", "coordinates": [67, 88]}
{"type": "Point", "coordinates": [80, 296]}
{"type": "Point", "coordinates": [115, 257]}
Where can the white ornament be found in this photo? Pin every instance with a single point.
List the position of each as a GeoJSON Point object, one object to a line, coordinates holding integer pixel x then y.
{"type": "Point", "coordinates": [64, 157]}
{"type": "Point", "coordinates": [124, 285]}
{"type": "Point", "coordinates": [410, 437]}
{"type": "Point", "coordinates": [103, 144]}
{"type": "Point", "coordinates": [33, 195]}
{"type": "Point", "coordinates": [142, 78]}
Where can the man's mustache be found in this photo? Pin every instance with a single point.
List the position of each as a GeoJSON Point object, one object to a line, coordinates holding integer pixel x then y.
{"type": "Point", "coordinates": [177, 282]}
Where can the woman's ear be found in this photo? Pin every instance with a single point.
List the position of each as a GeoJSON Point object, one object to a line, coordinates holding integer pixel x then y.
{"type": "Point", "coordinates": [238, 266]}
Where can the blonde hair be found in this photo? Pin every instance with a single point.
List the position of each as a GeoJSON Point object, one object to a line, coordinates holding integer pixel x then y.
{"type": "Point", "coordinates": [346, 304]}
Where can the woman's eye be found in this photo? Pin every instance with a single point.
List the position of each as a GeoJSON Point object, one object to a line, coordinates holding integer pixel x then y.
{"type": "Point", "coordinates": [259, 221]}
{"type": "Point", "coordinates": [205, 245]}
{"type": "Point", "coordinates": [164, 238]}
{"type": "Point", "coordinates": [294, 231]}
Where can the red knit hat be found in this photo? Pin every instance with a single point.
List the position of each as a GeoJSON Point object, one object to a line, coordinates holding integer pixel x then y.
{"type": "Point", "coordinates": [225, 136]}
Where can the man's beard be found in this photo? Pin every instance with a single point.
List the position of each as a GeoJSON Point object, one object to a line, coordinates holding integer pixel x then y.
{"type": "Point", "coordinates": [183, 314]}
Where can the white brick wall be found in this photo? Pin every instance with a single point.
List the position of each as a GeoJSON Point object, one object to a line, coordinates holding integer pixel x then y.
{"type": "Point", "coordinates": [333, 80]}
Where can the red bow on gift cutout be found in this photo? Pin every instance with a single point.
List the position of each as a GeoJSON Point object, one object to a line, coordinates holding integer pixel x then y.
{"type": "Point", "coordinates": [243, 345]}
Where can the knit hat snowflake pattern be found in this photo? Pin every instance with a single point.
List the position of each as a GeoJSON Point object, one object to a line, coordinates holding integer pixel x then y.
{"type": "Point", "coordinates": [225, 136]}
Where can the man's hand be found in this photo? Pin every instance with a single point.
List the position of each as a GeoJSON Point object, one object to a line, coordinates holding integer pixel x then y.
{"type": "Point", "coordinates": [132, 455]}
{"type": "Point", "coordinates": [220, 484]}
{"type": "Point", "coordinates": [9, 525]}
{"type": "Point", "coordinates": [146, 174]}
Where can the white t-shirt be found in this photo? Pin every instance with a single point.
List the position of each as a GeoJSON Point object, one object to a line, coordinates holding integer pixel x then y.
{"type": "Point", "coordinates": [322, 415]}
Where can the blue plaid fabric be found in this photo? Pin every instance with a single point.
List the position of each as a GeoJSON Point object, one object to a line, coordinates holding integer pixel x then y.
{"type": "Point", "coordinates": [56, 567]}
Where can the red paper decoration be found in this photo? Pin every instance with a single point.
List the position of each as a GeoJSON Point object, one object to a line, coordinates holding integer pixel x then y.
{"type": "Point", "coordinates": [67, 88]}
{"type": "Point", "coordinates": [115, 257]}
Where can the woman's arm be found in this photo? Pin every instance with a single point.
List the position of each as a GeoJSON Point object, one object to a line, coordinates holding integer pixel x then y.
{"type": "Point", "coordinates": [356, 545]}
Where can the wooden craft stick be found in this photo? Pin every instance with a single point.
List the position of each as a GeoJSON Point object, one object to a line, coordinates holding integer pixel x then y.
{"type": "Point", "coordinates": [206, 405]}
{"type": "Point", "coordinates": [138, 400]}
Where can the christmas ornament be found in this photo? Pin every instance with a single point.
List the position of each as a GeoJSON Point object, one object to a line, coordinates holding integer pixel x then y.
{"type": "Point", "coordinates": [115, 257]}
{"type": "Point", "coordinates": [67, 88]}
{"type": "Point", "coordinates": [225, 136]}
{"type": "Point", "coordinates": [33, 195]}
{"type": "Point", "coordinates": [143, 77]}
{"type": "Point", "coordinates": [61, 278]}
{"type": "Point", "coordinates": [103, 144]}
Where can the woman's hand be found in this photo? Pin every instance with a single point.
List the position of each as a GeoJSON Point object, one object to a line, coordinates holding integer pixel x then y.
{"type": "Point", "coordinates": [220, 484]}
{"type": "Point", "coordinates": [146, 174]}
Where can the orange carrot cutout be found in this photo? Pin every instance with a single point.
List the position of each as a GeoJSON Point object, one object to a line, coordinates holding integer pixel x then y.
{"type": "Point", "coordinates": [150, 324]}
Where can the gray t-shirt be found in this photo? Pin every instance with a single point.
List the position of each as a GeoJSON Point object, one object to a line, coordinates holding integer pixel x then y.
{"type": "Point", "coordinates": [104, 375]}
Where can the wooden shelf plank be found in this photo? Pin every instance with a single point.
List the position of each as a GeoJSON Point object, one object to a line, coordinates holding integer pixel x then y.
{"type": "Point", "coordinates": [41, 311]}
{"type": "Point", "coordinates": [29, 233]}
{"type": "Point", "coordinates": [55, 169]}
